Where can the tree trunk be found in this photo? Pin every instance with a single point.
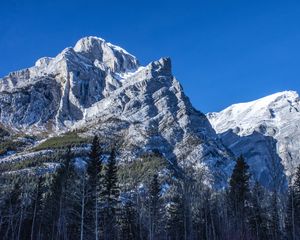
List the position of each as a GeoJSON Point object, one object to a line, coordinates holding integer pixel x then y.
{"type": "Point", "coordinates": [82, 209]}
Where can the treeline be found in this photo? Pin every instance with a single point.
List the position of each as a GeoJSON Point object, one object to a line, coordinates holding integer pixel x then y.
{"type": "Point", "coordinates": [90, 202]}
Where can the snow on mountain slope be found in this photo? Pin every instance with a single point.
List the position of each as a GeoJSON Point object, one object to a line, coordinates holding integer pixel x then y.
{"type": "Point", "coordinates": [275, 118]}
{"type": "Point", "coordinates": [99, 88]}
{"type": "Point", "coordinates": [57, 90]}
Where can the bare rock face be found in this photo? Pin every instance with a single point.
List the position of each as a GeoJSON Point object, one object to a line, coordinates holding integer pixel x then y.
{"type": "Point", "coordinates": [72, 81]}
{"type": "Point", "coordinates": [269, 126]}
{"type": "Point", "coordinates": [99, 88]}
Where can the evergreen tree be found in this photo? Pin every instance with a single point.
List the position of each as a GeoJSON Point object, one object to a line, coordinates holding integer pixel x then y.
{"type": "Point", "coordinates": [37, 208]}
{"type": "Point", "coordinates": [258, 213]}
{"type": "Point", "coordinates": [174, 218]}
{"type": "Point", "coordinates": [297, 201]}
{"type": "Point", "coordinates": [110, 195]}
{"type": "Point", "coordinates": [154, 206]}
{"type": "Point", "coordinates": [274, 221]}
{"type": "Point", "coordinates": [94, 184]}
{"type": "Point", "coordinates": [239, 194]}
{"type": "Point", "coordinates": [58, 205]}
{"type": "Point", "coordinates": [128, 221]}
{"type": "Point", "coordinates": [9, 211]}
{"type": "Point", "coordinates": [292, 221]}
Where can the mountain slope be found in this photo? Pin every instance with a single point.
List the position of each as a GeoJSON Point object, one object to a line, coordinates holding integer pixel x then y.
{"type": "Point", "coordinates": [99, 88]}
{"type": "Point", "coordinates": [56, 90]}
{"type": "Point", "coordinates": [272, 122]}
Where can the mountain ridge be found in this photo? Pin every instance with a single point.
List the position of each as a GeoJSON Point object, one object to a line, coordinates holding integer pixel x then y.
{"type": "Point", "coordinates": [96, 88]}
{"type": "Point", "coordinates": [276, 116]}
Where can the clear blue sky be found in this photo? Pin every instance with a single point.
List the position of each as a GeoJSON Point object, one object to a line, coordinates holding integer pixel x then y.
{"type": "Point", "coordinates": [223, 51]}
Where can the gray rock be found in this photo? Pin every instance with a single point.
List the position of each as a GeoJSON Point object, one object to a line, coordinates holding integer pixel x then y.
{"type": "Point", "coordinates": [99, 88]}
{"type": "Point", "coordinates": [269, 126]}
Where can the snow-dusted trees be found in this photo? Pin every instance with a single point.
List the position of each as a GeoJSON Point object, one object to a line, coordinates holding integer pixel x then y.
{"type": "Point", "coordinates": [174, 216]}
{"type": "Point", "coordinates": [154, 201]}
{"type": "Point", "coordinates": [292, 220]}
{"type": "Point", "coordinates": [258, 219]}
{"type": "Point", "coordinates": [128, 220]}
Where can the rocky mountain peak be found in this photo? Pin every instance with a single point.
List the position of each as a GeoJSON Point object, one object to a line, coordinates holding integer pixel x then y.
{"type": "Point", "coordinates": [249, 116]}
{"type": "Point", "coordinates": [114, 57]}
{"type": "Point", "coordinates": [266, 129]}
{"type": "Point", "coordinates": [162, 66]}
{"type": "Point", "coordinates": [99, 88]}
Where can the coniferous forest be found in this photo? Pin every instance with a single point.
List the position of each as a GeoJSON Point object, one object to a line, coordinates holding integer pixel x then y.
{"type": "Point", "coordinates": [105, 200]}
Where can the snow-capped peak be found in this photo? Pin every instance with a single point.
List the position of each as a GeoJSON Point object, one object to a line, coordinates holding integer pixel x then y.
{"type": "Point", "coordinates": [268, 100]}
{"type": "Point", "coordinates": [275, 118]}
{"type": "Point", "coordinates": [115, 57]}
{"type": "Point", "coordinates": [250, 115]}
{"type": "Point", "coordinates": [90, 41]}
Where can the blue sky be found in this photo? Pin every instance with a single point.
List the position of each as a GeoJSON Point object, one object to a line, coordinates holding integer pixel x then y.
{"type": "Point", "coordinates": [222, 52]}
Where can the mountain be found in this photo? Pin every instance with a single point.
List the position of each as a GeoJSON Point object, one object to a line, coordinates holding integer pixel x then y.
{"type": "Point", "coordinates": [99, 88]}
{"type": "Point", "coordinates": [265, 130]}
{"type": "Point", "coordinates": [55, 92]}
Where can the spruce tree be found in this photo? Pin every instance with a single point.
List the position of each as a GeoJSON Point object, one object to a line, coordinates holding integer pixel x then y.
{"type": "Point", "coordinates": [9, 211]}
{"type": "Point", "coordinates": [297, 201]}
{"type": "Point", "coordinates": [258, 213]}
{"type": "Point", "coordinates": [154, 205]}
{"type": "Point", "coordinates": [239, 194]}
{"type": "Point", "coordinates": [94, 184]}
{"type": "Point", "coordinates": [128, 221]}
{"type": "Point", "coordinates": [292, 220]}
{"type": "Point", "coordinates": [110, 195]}
{"type": "Point", "coordinates": [37, 207]}
{"type": "Point", "coordinates": [58, 206]}
{"type": "Point", "coordinates": [174, 218]}
{"type": "Point", "coordinates": [274, 217]}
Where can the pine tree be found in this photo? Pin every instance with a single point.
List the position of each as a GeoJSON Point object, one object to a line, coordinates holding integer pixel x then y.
{"type": "Point", "coordinates": [290, 223]}
{"type": "Point", "coordinates": [174, 218]}
{"type": "Point", "coordinates": [128, 221]}
{"type": "Point", "coordinates": [274, 213]}
{"type": "Point", "coordinates": [239, 194]}
{"type": "Point", "coordinates": [37, 207]}
{"type": "Point", "coordinates": [154, 206]}
{"type": "Point", "coordinates": [110, 195]}
{"type": "Point", "coordinates": [292, 220]}
{"type": "Point", "coordinates": [58, 206]}
{"type": "Point", "coordinates": [9, 211]}
{"type": "Point", "coordinates": [258, 213]}
{"type": "Point", "coordinates": [297, 201]}
{"type": "Point", "coordinates": [94, 184]}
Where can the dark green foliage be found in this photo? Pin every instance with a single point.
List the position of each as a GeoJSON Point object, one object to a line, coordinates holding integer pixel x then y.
{"type": "Point", "coordinates": [275, 221]}
{"type": "Point", "coordinates": [174, 215]}
{"type": "Point", "coordinates": [239, 184]}
{"type": "Point", "coordinates": [27, 163]}
{"type": "Point", "coordinates": [258, 218]}
{"type": "Point", "coordinates": [141, 170]}
{"type": "Point", "coordinates": [153, 203]}
{"type": "Point", "coordinates": [63, 141]}
{"type": "Point", "coordinates": [292, 220]}
{"type": "Point", "coordinates": [94, 187]}
{"type": "Point", "coordinates": [238, 196]}
{"type": "Point", "coordinates": [10, 145]}
{"type": "Point", "coordinates": [110, 195]}
{"type": "Point", "coordinates": [128, 221]}
{"type": "Point", "coordinates": [58, 203]}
